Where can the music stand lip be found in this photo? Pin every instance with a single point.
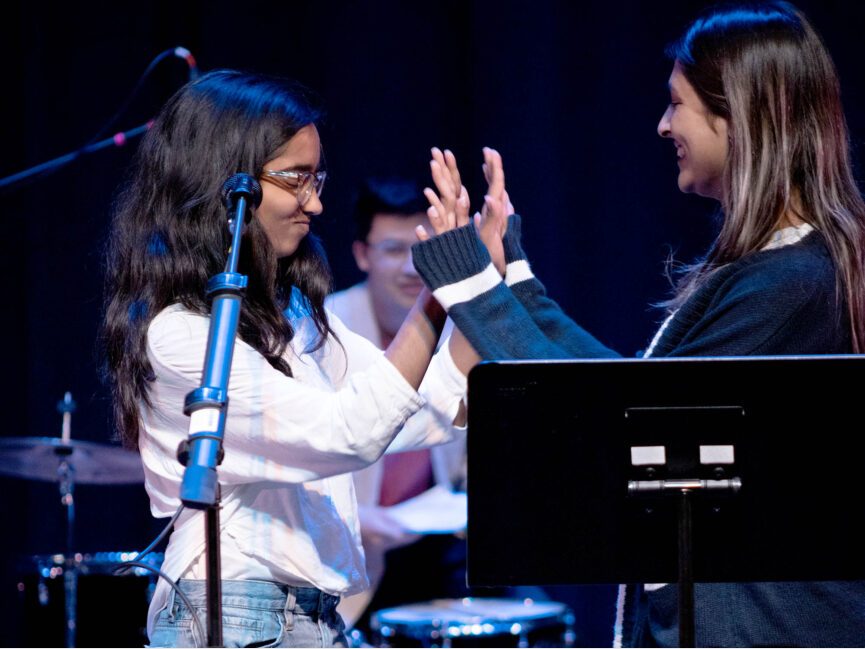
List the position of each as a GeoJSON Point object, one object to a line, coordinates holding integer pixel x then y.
{"type": "Point", "coordinates": [669, 359]}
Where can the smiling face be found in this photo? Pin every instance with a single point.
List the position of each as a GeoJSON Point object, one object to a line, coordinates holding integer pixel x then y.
{"type": "Point", "coordinates": [284, 220]}
{"type": "Point", "coordinates": [701, 138]}
{"type": "Point", "coordinates": [386, 258]}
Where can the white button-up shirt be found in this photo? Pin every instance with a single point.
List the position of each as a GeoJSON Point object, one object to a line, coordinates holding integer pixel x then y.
{"type": "Point", "coordinates": [288, 506]}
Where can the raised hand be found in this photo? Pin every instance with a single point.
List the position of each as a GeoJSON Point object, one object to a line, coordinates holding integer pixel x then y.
{"type": "Point", "coordinates": [449, 208]}
{"type": "Point", "coordinates": [492, 221]}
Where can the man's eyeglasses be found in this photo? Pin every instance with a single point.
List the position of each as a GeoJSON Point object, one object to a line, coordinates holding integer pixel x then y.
{"type": "Point", "coordinates": [299, 183]}
{"type": "Point", "coordinates": [392, 248]}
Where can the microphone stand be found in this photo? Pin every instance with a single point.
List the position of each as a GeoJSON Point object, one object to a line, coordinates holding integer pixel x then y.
{"type": "Point", "coordinates": [206, 406]}
{"type": "Point", "coordinates": [118, 139]}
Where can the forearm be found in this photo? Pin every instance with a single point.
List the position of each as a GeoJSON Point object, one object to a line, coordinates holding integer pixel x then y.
{"type": "Point", "coordinates": [498, 327]}
{"type": "Point", "coordinates": [415, 342]}
{"type": "Point", "coordinates": [443, 391]}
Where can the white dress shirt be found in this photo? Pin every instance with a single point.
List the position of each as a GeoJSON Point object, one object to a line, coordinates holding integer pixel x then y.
{"type": "Point", "coordinates": [288, 510]}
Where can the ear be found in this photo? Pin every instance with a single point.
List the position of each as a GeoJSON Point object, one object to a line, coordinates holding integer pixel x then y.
{"type": "Point", "coordinates": [360, 251]}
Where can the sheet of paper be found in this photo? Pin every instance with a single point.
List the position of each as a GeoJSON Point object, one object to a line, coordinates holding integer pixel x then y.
{"type": "Point", "coordinates": [435, 511]}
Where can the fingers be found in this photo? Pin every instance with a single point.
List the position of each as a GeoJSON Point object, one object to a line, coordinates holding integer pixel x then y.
{"type": "Point", "coordinates": [489, 226]}
{"type": "Point", "coordinates": [462, 207]}
{"type": "Point", "coordinates": [421, 233]}
{"type": "Point", "coordinates": [449, 202]}
{"type": "Point", "coordinates": [451, 162]}
{"type": "Point", "coordinates": [494, 172]}
{"type": "Point", "coordinates": [441, 219]}
{"type": "Point", "coordinates": [447, 167]}
{"type": "Point", "coordinates": [449, 208]}
{"type": "Point", "coordinates": [509, 207]}
{"type": "Point", "coordinates": [443, 182]}
{"type": "Point", "coordinates": [495, 218]}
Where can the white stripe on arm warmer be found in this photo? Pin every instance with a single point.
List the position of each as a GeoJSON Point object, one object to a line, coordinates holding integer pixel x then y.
{"type": "Point", "coordinates": [457, 268]}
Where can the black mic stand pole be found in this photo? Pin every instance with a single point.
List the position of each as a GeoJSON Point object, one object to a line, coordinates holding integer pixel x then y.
{"type": "Point", "coordinates": [206, 406]}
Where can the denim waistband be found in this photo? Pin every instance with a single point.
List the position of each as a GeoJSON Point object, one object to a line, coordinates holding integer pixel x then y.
{"type": "Point", "coordinates": [263, 595]}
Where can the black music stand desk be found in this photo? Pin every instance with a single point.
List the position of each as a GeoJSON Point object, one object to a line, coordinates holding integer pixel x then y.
{"type": "Point", "coordinates": [570, 465]}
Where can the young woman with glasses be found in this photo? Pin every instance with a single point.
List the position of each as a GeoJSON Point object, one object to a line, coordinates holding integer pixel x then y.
{"type": "Point", "coordinates": [756, 121]}
{"type": "Point", "coordinates": [309, 401]}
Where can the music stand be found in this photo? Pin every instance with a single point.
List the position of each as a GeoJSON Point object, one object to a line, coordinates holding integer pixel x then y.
{"type": "Point", "coordinates": [562, 454]}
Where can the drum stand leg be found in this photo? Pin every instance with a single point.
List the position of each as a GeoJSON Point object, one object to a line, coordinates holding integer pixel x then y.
{"type": "Point", "coordinates": [70, 570]}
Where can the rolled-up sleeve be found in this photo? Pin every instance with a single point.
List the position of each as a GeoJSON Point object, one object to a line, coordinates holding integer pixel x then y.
{"type": "Point", "coordinates": [443, 388]}
{"type": "Point", "coordinates": [278, 428]}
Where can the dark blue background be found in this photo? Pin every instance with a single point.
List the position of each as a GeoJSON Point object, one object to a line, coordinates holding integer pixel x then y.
{"type": "Point", "coordinates": [570, 93]}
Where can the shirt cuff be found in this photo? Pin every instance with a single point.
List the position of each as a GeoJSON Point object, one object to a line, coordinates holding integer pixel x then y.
{"type": "Point", "coordinates": [413, 399]}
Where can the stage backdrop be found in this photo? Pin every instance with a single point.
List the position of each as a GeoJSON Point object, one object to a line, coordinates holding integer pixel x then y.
{"type": "Point", "coordinates": [570, 93]}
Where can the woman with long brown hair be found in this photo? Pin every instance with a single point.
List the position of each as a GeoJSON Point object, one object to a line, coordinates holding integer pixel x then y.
{"type": "Point", "coordinates": [757, 124]}
{"type": "Point", "coordinates": [309, 400]}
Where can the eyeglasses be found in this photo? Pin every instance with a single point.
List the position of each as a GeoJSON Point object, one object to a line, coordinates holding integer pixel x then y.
{"type": "Point", "coordinates": [299, 183]}
{"type": "Point", "coordinates": [392, 248]}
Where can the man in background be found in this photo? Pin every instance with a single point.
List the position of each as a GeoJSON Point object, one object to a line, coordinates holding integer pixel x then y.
{"type": "Point", "coordinates": [403, 566]}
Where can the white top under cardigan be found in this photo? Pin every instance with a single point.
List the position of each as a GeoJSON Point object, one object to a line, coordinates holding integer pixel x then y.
{"type": "Point", "coordinates": [288, 504]}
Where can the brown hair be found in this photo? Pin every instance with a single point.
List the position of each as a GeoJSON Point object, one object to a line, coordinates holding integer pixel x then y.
{"type": "Point", "coordinates": [168, 236]}
{"type": "Point", "coordinates": [767, 72]}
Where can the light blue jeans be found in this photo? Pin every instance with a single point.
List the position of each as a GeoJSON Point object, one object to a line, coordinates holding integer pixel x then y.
{"type": "Point", "coordinates": [254, 614]}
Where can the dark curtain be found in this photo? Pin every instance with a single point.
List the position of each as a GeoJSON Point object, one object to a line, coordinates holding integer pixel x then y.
{"type": "Point", "coordinates": [569, 92]}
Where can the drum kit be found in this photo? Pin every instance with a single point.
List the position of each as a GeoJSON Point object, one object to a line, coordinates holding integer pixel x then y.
{"type": "Point", "coordinates": [68, 463]}
{"type": "Point", "coordinates": [467, 622]}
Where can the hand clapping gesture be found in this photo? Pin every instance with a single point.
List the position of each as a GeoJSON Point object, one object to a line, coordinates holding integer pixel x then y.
{"type": "Point", "coordinates": [449, 208]}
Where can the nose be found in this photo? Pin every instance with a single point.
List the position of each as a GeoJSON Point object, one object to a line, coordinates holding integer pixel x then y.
{"type": "Point", "coordinates": [664, 124]}
{"type": "Point", "coordinates": [313, 205]}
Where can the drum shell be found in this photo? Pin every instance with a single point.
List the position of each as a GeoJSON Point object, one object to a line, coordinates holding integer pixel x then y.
{"type": "Point", "coordinates": [443, 623]}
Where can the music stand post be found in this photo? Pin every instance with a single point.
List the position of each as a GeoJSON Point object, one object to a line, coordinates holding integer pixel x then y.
{"type": "Point", "coordinates": [677, 470]}
{"type": "Point", "coordinates": [663, 470]}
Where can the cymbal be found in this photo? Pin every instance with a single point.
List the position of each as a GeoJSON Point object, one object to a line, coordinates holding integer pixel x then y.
{"type": "Point", "coordinates": [38, 458]}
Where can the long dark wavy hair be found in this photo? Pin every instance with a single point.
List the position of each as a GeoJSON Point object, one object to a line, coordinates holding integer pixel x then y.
{"type": "Point", "coordinates": [766, 71]}
{"type": "Point", "coordinates": [169, 234]}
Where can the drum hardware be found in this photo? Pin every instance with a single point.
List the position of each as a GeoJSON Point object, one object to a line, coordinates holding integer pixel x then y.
{"type": "Point", "coordinates": [68, 462]}
{"type": "Point", "coordinates": [108, 603]}
{"type": "Point", "coordinates": [356, 638]}
{"type": "Point", "coordinates": [48, 567]}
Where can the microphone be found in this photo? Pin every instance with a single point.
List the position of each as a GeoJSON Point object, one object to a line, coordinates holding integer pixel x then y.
{"type": "Point", "coordinates": [241, 186]}
{"type": "Point", "coordinates": [241, 194]}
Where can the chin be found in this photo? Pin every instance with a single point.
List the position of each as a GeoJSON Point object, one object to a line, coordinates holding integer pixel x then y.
{"type": "Point", "coordinates": [707, 189]}
{"type": "Point", "coordinates": [406, 303]}
{"type": "Point", "coordinates": [287, 250]}
{"type": "Point", "coordinates": [691, 187]}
